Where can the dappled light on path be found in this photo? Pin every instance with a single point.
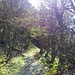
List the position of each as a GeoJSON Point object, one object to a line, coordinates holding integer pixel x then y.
{"type": "Point", "coordinates": [32, 66]}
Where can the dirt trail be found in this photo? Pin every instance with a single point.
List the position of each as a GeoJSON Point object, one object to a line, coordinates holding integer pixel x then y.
{"type": "Point", "coordinates": [32, 65]}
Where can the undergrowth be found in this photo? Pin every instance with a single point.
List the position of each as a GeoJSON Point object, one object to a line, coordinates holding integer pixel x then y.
{"type": "Point", "coordinates": [13, 66]}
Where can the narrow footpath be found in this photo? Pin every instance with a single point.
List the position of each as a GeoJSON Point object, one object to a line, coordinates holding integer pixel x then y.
{"type": "Point", "coordinates": [32, 65]}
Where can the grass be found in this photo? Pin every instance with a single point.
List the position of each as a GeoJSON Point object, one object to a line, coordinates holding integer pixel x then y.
{"type": "Point", "coordinates": [14, 65]}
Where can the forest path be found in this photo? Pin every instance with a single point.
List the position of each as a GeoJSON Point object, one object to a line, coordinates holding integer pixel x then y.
{"type": "Point", "coordinates": [32, 65]}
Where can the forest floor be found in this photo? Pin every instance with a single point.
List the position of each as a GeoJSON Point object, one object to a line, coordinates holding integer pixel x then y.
{"type": "Point", "coordinates": [33, 66]}
{"type": "Point", "coordinates": [27, 64]}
